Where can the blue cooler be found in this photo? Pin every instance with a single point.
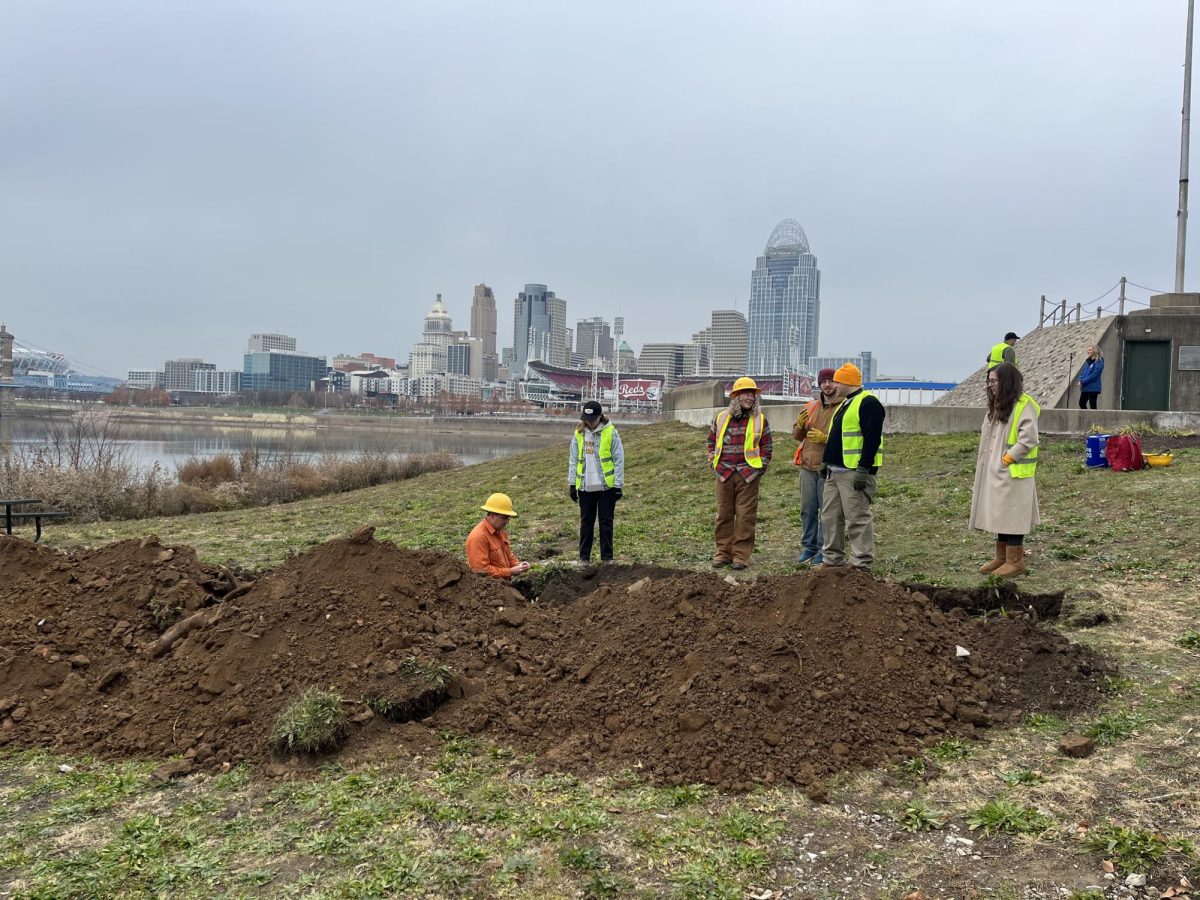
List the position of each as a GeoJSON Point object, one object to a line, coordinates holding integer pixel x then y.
{"type": "Point", "coordinates": [1095, 450]}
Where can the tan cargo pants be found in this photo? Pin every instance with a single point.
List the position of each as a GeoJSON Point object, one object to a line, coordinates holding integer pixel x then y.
{"type": "Point", "coordinates": [846, 515]}
{"type": "Point", "coordinates": [737, 516]}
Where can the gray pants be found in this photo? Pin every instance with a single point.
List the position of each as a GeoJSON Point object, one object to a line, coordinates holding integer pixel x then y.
{"type": "Point", "coordinates": [846, 514]}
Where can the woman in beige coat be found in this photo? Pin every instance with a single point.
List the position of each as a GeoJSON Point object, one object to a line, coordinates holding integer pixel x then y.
{"type": "Point", "coordinates": [1004, 500]}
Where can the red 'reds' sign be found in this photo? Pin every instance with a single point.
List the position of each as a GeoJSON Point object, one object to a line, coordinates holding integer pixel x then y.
{"type": "Point", "coordinates": [642, 389]}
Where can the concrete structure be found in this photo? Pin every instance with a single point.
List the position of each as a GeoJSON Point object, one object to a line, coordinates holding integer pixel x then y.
{"type": "Point", "coordinates": [483, 327]}
{"type": "Point", "coordinates": [145, 379]}
{"type": "Point", "coordinates": [281, 370]}
{"type": "Point", "coordinates": [539, 329]}
{"type": "Point", "coordinates": [698, 404]}
{"type": "Point", "coordinates": [433, 385]}
{"type": "Point", "coordinates": [865, 361]}
{"type": "Point", "coordinates": [1151, 360]}
{"type": "Point", "coordinates": [214, 381]}
{"type": "Point", "coordinates": [785, 302]}
{"type": "Point", "coordinates": [265, 343]}
{"type": "Point", "coordinates": [178, 373]}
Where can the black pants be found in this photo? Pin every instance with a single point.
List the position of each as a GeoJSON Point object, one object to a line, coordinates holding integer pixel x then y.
{"type": "Point", "coordinates": [1013, 540]}
{"type": "Point", "coordinates": [1088, 398]}
{"type": "Point", "coordinates": [591, 503]}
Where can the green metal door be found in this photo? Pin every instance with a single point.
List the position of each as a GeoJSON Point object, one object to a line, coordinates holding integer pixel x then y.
{"type": "Point", "coordinates": [1146, 375]}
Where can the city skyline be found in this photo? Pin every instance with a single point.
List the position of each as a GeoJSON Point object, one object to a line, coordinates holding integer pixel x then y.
{"type": "Point", "coordinates": [178, 176]}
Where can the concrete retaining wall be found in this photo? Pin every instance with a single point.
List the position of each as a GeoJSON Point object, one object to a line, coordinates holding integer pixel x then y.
{"type": "Point", "coordinates": [953, 419]}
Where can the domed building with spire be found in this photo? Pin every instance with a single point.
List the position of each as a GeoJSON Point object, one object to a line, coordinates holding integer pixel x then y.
{"type": "Point", "coordinates": [785, 303]}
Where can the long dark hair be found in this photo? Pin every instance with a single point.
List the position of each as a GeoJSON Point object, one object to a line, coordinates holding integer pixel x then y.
{"type": "Point", "coordinates": [1009, 386]}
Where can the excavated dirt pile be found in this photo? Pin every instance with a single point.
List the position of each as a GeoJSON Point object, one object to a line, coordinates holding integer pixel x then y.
{"type": "Point", "coordinates": [684, 676]}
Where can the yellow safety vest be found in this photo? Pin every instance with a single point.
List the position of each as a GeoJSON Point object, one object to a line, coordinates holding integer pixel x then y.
{"type": "Point", "coordinates": [754, 429]}
{"type": "Point", "coordinates": [607, 467]}
{"type": "Point", "coordinates": [1026, 467]}
{"type": "Point", "coordinates": [852, 437]}
{"type": "Point", "coordinates": [997, 355]}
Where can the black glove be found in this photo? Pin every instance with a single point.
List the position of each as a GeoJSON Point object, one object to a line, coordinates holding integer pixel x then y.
{"type": "Point", "coordinates": [860, 479]}
{"type": "Point", "coordinates": [618, 493]}
{"type": "Point", "coordinates": [574, 492]}
{"type": "Point", "coordinates": [823, 471]}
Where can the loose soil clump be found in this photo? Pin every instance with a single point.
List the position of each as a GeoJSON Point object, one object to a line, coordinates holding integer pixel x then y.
{"type": "Point", "coordinates": [684, 676]}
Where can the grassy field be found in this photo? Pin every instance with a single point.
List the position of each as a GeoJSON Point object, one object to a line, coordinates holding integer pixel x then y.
{"type": "Point", "coordinates": [992, 818]}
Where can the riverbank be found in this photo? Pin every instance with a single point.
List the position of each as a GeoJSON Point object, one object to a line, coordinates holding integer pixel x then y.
{"type": "Point", "coordinates": [1003, 815]}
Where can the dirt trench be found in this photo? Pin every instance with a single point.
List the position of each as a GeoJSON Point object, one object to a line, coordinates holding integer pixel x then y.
{"type": "Point", "coordinates": [683, 676]}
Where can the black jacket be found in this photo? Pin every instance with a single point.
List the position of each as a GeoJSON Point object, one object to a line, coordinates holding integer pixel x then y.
{"type": "Point", "coordinates": [870, 416]}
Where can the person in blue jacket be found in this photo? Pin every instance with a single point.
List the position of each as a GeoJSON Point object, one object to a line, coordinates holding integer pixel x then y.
{"type": "Point", "coordinates": [1089, 378]}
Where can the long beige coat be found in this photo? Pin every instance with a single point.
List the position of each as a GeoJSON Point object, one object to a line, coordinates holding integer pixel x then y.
{"type": "Point", "coordinates": [1000, 503]}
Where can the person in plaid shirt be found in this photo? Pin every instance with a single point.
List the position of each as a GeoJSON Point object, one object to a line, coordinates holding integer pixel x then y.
{"type": "Point", "coordinates": [739, 449]}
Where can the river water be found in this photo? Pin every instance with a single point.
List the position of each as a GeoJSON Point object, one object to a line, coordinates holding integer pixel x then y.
{"type": "Point", "coordinates": [172, 445]}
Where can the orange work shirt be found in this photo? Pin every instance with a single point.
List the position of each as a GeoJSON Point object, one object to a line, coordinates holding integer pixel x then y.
{"type": "Point", "coordinates": [488, 551]}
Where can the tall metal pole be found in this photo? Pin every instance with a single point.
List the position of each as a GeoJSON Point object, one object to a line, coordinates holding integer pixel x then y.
{"type": "Point", "coordinates": [1181, 235]}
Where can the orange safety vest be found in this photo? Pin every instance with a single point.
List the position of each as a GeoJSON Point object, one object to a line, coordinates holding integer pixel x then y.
{"type": "Point", "coordinates": [809, 409]}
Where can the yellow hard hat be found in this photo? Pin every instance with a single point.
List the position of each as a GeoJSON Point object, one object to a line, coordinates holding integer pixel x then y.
{"type": "Point", "coordinates": [500, 504]}
{"type": "Point", "coordinates": [745, 383]}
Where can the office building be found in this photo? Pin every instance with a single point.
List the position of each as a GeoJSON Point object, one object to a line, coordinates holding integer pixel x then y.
{"type": "Point", "coordinates": [345, 362]}
{"type": "Point", "coordinates": [426, 358]}
{"type": "Point", "coordinates": [672, 361]}
{"type": "Point", "coordinates": [465, 357]}
{"type": "Point", "coordinates": [483, 326]}
{"type": "Point", "coordinates": [785, 305]}
{"type": "Point", "coordinates": [213, 381]}
{"type": "Point", "coordinates": [593, 337]}
{"type": "Point", "coordinates": [281, 370]}
{"type": "Point", "coordinates": [539, 329]}
{"type": "Point", "coordinates": [144, 379]}
{"type": "Point", "coordinates": [177, 373]}
{"type": "Point", "coordinates": [264, 343]}
{"type": "Point", "coordinates": [865, 361]}
{"type": "Point", "coordinates": [438, 327]}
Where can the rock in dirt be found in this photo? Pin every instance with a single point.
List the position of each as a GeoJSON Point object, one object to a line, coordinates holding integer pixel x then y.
{"type": "Point", "coordinates": [1076, 746]}
{"type": "Point", "coordinates": [363, 534]}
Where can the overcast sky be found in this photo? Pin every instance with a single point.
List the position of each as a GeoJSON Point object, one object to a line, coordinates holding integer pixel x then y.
{"type": "Point", "coordinates": [177, 175]}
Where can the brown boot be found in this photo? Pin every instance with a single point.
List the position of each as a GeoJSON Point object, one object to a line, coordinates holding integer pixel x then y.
{"type": "Point", "coordinates": [1014, 563]}
{"type": "Point", "coordinates": [997, 562]}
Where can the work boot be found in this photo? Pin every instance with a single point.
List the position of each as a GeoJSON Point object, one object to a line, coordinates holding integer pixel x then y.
{"type": "Point", "coordinates": [738, 566]}
{"type": "Point", "coordinates": [989, 567]}
{"type": "Point", "coordinates": [719, 562]}
{"type": "Point", "coordinates": [1014, 562]}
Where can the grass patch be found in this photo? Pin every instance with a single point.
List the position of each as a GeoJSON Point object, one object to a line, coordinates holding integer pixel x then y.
{"type": "Point", "coordinates": [314, 723]}
{"type": "Point", "coordinates": [1022, 778]}
{"type": "Point", "coordinates": [1009, 817]}
{"type": "Point", "coordinates": [1190, 639]}
{"type": "Point", "coordinates": [917, 816]}
{"type": "Point", "coordinates": [1112, 728]}
{"type": "Point", "coordinates": [950, 750]}
{"type": "Point", "coordinates": [1131, 849]}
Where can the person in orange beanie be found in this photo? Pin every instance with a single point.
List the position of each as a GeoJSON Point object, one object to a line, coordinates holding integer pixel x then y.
{"type": "Point", "coordinates": [853, 455]}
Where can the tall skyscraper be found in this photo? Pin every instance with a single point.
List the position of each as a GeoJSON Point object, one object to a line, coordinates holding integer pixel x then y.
{"type": "Point", "coordinates": [438, 326]}
{"type": "Point", "coordinates": [594, 337]}
{"type": "Point", "coordinates": [483, 326]}
{"type": "Point", "coordinates": [539, 329]}
{"type": "Point", "coordinates": [785, 303]}
{"type": "Point", "coordinates": [723, 343]}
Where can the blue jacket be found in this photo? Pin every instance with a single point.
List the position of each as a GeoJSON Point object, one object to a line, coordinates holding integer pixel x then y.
{"type": "Point", "coordinates": [1089, 375]}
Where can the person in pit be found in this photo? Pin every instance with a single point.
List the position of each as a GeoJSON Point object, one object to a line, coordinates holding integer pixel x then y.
{"type": "Point", "coordinates": [488, 551]}
{"type": "Point", "coordinates": [595, 478]}
{"type": "Point", "coordinates": [1004, 499]}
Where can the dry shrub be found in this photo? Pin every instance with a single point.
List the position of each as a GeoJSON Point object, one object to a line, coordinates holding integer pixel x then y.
{"type": "Point", "coordinates": [215, 470]}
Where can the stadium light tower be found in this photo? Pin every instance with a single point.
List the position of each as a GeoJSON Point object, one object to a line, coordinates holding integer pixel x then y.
{"type": "Point", "coordinates": [1181, 225]}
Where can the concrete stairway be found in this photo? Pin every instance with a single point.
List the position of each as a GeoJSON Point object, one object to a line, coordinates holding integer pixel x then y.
{"type": "Point", "coordinates": [1049, 358]}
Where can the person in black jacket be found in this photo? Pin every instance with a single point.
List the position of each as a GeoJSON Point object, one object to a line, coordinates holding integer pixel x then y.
{"type": "Point", "coordinates": [853, 455]}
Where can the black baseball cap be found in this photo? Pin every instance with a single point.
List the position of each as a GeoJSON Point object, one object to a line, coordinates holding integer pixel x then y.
{"type": "Point", "coordinates": [1012, 336]}
{"type": "Point", "coordinates": [592, 409]}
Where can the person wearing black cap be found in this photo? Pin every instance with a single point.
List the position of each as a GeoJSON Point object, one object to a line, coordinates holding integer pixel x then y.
{"type": "Point", "coordinates": [595, 478]}
{"type": "Point", "coordinates": [1004, 352]}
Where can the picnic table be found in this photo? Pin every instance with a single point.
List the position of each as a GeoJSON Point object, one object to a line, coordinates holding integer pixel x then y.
{"type": "Point", "coordinates": [14, 512]}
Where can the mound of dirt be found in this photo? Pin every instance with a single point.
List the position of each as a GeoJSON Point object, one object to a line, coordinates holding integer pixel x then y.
{"type": "Point", "coordinates": [685, 676]}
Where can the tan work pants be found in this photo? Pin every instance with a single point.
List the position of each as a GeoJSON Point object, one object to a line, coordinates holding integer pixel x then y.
{"type": "Point", "coordinates": [737, 515]}
{"type": "Point", "coordinates": [846, 514]}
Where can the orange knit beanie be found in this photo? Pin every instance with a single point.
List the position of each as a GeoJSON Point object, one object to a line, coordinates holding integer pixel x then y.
{"type": "Point", "coordinates": [848, 374]}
